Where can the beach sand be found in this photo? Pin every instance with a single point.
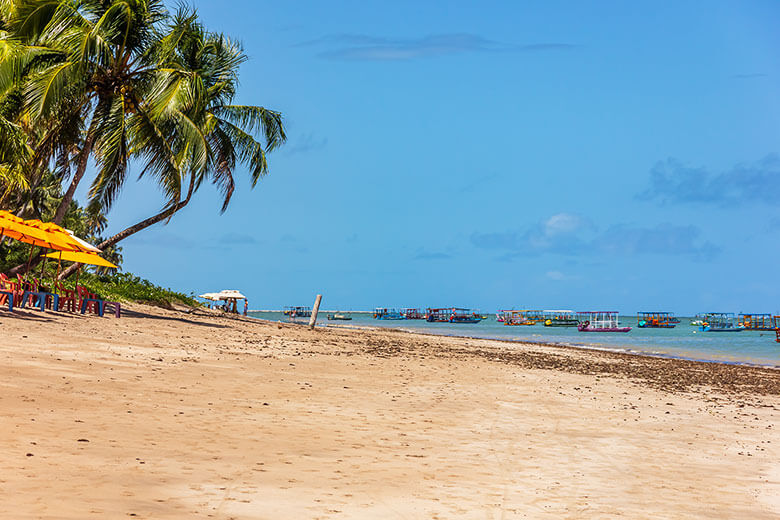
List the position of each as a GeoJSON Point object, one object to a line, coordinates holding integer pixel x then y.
{"type": "Point", "coordinates": [165, 415]}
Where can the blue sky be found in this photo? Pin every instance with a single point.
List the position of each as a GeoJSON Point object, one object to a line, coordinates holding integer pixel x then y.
{"type": "Point", "coordinates": [621, 155]}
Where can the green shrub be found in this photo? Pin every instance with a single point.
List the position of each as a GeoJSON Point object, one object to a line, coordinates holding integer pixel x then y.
{"type": "Point", "coordinates": [126, 287]}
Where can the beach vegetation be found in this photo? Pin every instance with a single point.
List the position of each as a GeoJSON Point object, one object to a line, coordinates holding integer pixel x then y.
{"type": "Point", "coordinates": [126, 287]}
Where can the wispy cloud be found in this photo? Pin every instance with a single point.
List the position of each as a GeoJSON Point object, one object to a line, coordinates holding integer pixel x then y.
{"type": "Point", "coordinates": [428, 255]}
{"type": "Point", "coordinates": [750, 76]}
{"type": "Point", "coordinates": [306, 143]}
{"type": "Point", "coordinates": [163, 239]}
{"type": "Point", "coordinates": [663, 239]}
{"type": "Point", "coordinates": [557, 234]}
{"type": "Point", "coordinates": [672, 182]}
{"type": "Point", "coordinates": [292, 243]}
{"type": "Point", "coordinates": [359, 47]}
{"type": "Point", "coordinates": [232, 239]}
{"type": "Point", "coordinates": [571, 235]}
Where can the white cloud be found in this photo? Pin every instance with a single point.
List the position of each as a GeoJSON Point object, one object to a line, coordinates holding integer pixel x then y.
{"type": "Point", "coordinates": [563, 223]}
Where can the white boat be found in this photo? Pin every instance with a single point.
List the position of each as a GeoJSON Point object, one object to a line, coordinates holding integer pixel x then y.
{"type": "Point", "coordinates": [600, 321]}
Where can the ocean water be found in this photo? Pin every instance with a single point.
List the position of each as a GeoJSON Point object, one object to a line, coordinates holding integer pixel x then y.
{"type": "Point", "coordinates": [685, 341]}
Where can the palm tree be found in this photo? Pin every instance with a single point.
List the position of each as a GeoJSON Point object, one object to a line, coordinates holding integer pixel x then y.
{"type": "Point", "coordinates": [15, 151]}
{"type": "Point", "coordinates": [96, 63]}
{"type": "Point", "coordinates": [209, 134]}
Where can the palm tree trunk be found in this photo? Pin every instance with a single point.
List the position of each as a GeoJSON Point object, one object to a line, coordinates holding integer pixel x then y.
{"type": "Point", "coordinates": [25, 267]}
{"type": "Point", "coordinates": [59, 215]}
{"type": "Point", "coordinates": [132, 230]}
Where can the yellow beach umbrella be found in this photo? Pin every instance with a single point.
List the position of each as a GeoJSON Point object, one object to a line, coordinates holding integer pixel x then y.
{"type": "Point", "coordinates": [62, 236]}
{"type": "Point", "coordinates": [9, 219]}
{"type": "Point", "coordinates": [16, 228]}
{"type": "Point", "coordinates": [82, 258]}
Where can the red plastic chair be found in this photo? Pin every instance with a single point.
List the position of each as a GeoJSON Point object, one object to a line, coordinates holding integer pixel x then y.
{"type": "Point", "coordinates": [68, 298]}
{"type": "Point", "coordinates": [16, 286]}
{"type": "Point", "coordinates": [89, 301]}
{"type": "Point", "coordinates": [7, 293]}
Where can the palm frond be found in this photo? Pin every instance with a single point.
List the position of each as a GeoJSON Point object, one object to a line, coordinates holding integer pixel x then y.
{"type": "Point", "coordinates": [111, 151]}
{"type": "Point", "coordinates": [252, 118]}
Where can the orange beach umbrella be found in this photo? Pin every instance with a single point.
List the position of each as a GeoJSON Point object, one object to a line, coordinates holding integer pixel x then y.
{"type": "Point", "coordinates": [41, 234]}
{"type": "Point", "coordinates": [18, 229]}
{"type": "Point", "coordinates": [82, 258]}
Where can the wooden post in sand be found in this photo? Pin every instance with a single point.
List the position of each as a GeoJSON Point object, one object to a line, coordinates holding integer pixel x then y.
{"type": "Point", "coordinates": [314, 311]}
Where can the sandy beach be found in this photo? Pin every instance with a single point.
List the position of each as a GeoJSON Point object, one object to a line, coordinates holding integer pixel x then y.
{"type": "Point", "coordinates": [163, 415]}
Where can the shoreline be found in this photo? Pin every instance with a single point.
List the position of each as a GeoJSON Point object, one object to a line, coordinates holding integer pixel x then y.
{"type": "Point", "coordinates": [163, 415]}
{"type": "Point", "coordinates": [594, 347]}
{"type": "Point", "coordinates": [739, 377]}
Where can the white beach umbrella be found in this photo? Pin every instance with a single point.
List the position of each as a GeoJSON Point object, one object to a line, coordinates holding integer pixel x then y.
{"type": "Point", "coordinates": [85, 245]}
{"type": "Point", "coordinates": [230, 294]}
{"type": "Point", "coordinates": [210, 296]}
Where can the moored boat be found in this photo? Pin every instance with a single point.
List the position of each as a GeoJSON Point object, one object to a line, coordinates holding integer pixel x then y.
{"type": "Point", "coordinates": [656, 320]}
{"type": "Point", "coordinates": [452, 315]}
{"type": "Point", "coordinates": [381, 313]}
{"type": "Point", "coordinates": [518, 318]}
{"type": "Point", "coordinates": [338, 316]}
{"type": "Point", "coordinates": [297, 312]}
{"type": "Point", "coordinates": [413, 314]}
{"type": "Point", "coordinates": [560, 318]}
{"type": "Point", "coordinates": [756, 321]}
{"type": "Point", "coordinates": [500, 315]}
{"type": "Point", "coordinates": [776, 323]}
{"type": "Point", "coordinates": [720, 322]}
{"type": "Point", "coordinates": [600, 321]}
{"type": "Point", "coordinates": [697, 320]}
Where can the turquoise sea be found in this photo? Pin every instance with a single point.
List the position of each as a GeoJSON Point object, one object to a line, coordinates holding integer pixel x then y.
{"type": "Point", "coordinates": [684, 341]}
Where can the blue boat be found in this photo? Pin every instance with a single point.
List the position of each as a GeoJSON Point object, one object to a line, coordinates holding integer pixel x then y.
{"type": "Point", "coordinates": [720, 322]}
{"type": "Point", "coordinates": [381, 313]}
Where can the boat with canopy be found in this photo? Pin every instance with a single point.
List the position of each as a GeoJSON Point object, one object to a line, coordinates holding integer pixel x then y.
{"type": "Point", "coordinates": [452, 315]}
{"type": "Point", "coordinates": [756, 321]}
{"type": "Point", "coordinates": [600, 321]}
{"type": "Point", "coordinates": [381, 313]}
{"type": "Point", "coordinates": [297, 312]}
{"type": "Point", "coordinates": [656, 320]}
{"type": "Point", "coordinates": [560, 318]}
{"type": "Point", "coordinates": [720, 322]}
{"type": "Point", "coordinates": [413, 314]}
{"type": "Point", "coordinates": [519, 318]}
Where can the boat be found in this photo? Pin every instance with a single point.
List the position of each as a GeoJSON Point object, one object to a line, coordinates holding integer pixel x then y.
{"type": "Point", "coordinates": [413, 314]}
{"type": "Point", "coordinates": [337, 316]}
{"type": "Point", "coordinates": [656, 320]}
{"type": "Point", "coordinates": [297, 312]}
{"type": "Point", "coordinates": [720, 322]}
{"type": "Point", "coordinates": [560, 318]}
{"type": "Point", "coordinates": [698, 320]}
{"type": "Point", "coordinates": [756, 321]}
{"type": "Point", "coordinates": [517, 318]}
{"type": "Point", "coordinates": [536, 315]}
{"type": "Point", "coordinates": [452, 315]}
{"type": "Point", "coordinates": [776, 323]}
{"type": "Point", "coordinates": [500, 315]}
{"type": "Point", "coordinates": [600, 321]}
{"type": "Point", "coordinates": [381, 313]}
